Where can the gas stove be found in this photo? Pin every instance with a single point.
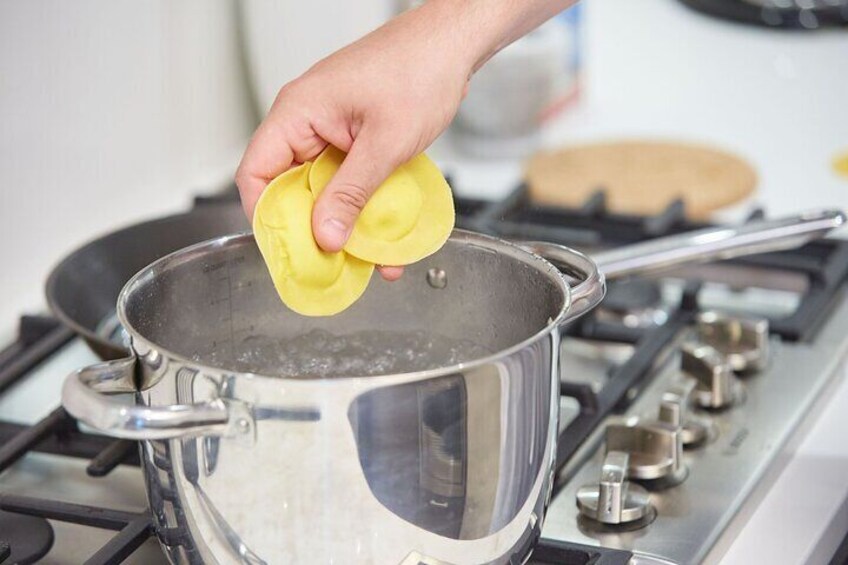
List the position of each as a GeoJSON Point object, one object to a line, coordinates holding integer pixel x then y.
{"type": "Point", "coordinates": [681, 398]}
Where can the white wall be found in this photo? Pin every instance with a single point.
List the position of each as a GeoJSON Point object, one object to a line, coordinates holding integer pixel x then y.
{"type": "Point", "coordinates": [283, 38]}
{"type": "Point", "coordinates": [112, 111]}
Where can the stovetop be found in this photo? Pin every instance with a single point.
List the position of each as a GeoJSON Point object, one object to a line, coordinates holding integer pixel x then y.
{"type": "Point", "coordinates": [639, 376]}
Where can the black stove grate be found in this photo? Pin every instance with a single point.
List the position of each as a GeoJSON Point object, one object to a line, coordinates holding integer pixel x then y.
{"type": "Point", "coordinates": [133, 528]}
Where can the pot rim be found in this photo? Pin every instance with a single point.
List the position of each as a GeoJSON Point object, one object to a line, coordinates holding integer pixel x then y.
{"type": "Point", "coordinates": [470, 237]}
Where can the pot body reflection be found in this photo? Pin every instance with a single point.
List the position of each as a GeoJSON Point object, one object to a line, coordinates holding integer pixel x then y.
{"type": "Point", "coordinates": [450, 469]}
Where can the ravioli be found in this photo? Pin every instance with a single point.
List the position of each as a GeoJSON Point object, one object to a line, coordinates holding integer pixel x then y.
{"type": "Point", "coordinates": [310, 281]}
{"type": "Point", "coordinates": [409, 217]}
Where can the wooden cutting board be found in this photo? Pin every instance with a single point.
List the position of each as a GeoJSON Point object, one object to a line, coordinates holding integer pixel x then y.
{"type": "Point", "coordinates": [641, 177]}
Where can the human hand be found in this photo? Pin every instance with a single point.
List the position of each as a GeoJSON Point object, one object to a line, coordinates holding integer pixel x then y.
{"type": "Point", "coordinates": [382, 100]}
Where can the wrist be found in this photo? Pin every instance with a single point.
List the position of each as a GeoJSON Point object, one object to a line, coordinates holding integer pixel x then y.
{"type": "Point", "coordinates": [484, 27]}
{"type": "Point", "coordinates": [476, 28]}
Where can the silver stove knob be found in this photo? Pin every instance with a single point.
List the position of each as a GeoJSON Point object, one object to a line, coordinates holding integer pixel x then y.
{"type": "Point", "coordinates": [743, 341]}
{"type": "Point", "coordinates": [674, 411]}
{"type": "Point", "coordinates": [614, 500]}
{"type": "Point", "coordinates": [716, 384]}
{"type": "Point", "coordinates": [655, 450]}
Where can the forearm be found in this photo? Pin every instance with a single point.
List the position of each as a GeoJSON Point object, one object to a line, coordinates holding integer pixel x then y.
{"type": "Point", "coordinates": [487, 26]}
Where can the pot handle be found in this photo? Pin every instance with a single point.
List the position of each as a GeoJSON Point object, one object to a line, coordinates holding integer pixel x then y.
{"type": "Point", "coordinates": [587, 275]}
{"type": "Point", "coordinates": [718, 243]}
{"type": "Point", "coordinates": [587, 283]}
{"type": "Point", "coordinates": [85, 396]}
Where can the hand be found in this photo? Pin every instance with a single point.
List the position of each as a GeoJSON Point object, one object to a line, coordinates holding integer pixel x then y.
{"type": "Point", "coordinates": [382, 100]}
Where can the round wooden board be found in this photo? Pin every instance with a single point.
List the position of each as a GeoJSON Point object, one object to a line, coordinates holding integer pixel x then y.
{"type": "Point", "coordinates": [641, 177]}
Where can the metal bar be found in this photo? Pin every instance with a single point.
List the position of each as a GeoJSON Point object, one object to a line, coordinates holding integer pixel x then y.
{"type": "Point", "coordinates": [30, 330]}
{"type": "Point", "coordinates": [31, 355]}
{"type": "Point", "coordinates": [664, 222]}
{"type": "Point", "coordinates": [715, 243]}
{"type": "Point", "coordinates": [10, 352]}
{"type": "Point", "coordinates": [18, 445]}
{"type": "Point", "coordinates": [582, 393]}
{"type": "Point", "coordinates": [84, 515]}
{"type": "Point", "coordinates": [69, 442]}
{"type": "Point", "coordinates": [124, 543]}
{"type": "Point", "coordinates": [594, 329]}
{"type": "Point", "coordinates": [595, 205]}
{"type": "Point", "coordinates": [558, 234]}
{"type": "Point", "coordinates": [117, 452]}
{"type": "Point", "coordinates": [498, 210]}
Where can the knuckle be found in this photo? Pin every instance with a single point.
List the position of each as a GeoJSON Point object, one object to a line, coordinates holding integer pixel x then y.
{"type": "Point", "coordinates": [351, 196]}
{"type": "Point", "coordinates": [241, 177]}
{"type": "Point", "coordinates": [287, 91]}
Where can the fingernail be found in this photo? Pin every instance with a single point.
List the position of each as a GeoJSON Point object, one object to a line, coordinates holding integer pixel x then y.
{"type": "Point", "coordinates": [335, 232]}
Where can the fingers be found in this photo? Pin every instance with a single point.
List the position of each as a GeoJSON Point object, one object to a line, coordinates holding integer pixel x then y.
{"type": "Point", "coordinates": [268, 154]}
{"type": "Point", "coordinates": [367, 165]}
{"type": "Point", "coordinates": [280, 142]}
{"type": "Point", "coordinates": [390, 273]}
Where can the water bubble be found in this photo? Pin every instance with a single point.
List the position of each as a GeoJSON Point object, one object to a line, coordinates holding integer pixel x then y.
{"type": "Point", "coordinates": [320, 353]}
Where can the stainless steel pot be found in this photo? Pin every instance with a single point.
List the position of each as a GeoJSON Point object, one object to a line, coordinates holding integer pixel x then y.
{"type": "Point", "coordinates": [452, 465]}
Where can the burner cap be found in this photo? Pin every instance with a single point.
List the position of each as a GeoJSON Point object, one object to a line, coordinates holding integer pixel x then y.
{"type": "Point", "coordinates": [29, 537]}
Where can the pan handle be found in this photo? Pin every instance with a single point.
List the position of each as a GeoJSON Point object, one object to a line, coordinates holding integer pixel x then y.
{"type": "Point", "coordinates": [587, 283]}
{"type": "Point", "coordinates": [717, 243]}
{"type": "Point", "coordinates": [587, 276]}
{"type": "Point", "coordinates": [85, 396]}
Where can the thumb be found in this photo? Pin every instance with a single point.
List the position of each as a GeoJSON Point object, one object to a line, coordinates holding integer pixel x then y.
{"type": "Point", "coordinates": [338, 206]}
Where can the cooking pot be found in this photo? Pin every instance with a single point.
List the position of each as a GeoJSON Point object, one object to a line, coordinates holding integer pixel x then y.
{"type": "Point", "coordinates": [446, 465]}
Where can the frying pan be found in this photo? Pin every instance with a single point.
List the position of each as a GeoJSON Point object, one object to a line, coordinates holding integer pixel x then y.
{"type": "Point", "coordinates": [83, 289]}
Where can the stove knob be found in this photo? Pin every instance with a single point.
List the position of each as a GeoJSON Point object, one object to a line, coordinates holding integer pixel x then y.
{"type": "Point", "coordinates": [743, 341]}
{"type": "Point", "coordinates": [674, 411]}
{"type": "Point", "coordinates": [614, 500]}
{"type": "Point", "coordinates": [655, 450]}
{"type": "Point", "coordinates": [717, 386]}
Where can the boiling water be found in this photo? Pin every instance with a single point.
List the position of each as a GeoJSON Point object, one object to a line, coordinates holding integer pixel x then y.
{"type": "Point", "coordinates": [320, 353]}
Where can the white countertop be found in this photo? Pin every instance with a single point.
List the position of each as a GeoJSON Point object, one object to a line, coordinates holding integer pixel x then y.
{"type": "Point", "coordinates": [804, 516]}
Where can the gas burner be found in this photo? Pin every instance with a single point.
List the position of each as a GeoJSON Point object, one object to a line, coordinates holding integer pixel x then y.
{"type": "Point", "coordinates": [29, 538]}
{"type": "Point", "coordinates": [786, 14]}
{"type": "Point", "coordinates": [634, 304]}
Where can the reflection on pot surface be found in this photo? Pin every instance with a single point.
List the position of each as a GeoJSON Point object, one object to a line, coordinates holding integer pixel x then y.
{"type": "Point", "coordinates": [454, 469]}
{"type": "Point", "coordinates": [440, 455]}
